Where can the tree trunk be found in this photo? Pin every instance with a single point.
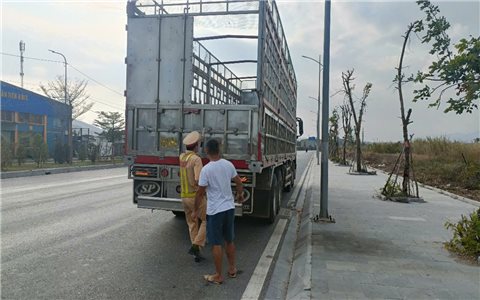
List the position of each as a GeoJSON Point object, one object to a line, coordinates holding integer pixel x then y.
{"type": "Point", "coordinates": [344, 152]}
{"type": "Point", "coordinates": [405, 119]}
{"type": "Point", "coordinates": [358, 151]}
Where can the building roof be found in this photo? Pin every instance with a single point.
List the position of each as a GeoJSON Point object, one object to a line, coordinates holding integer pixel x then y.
{"type": "Point", "coordinates": [15, 98]}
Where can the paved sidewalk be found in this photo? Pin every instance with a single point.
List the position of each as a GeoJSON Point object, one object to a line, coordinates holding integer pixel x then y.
{"type": "Point", "coordinates": [385, 250]}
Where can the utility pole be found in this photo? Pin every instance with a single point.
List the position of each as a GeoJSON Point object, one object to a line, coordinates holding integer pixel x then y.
{"type": "Point", "coordinates": [22, 49]}
{"type": "Point", "coordinates": [325, 114]}
{"type": "Point", "coordinates": [70, 150]}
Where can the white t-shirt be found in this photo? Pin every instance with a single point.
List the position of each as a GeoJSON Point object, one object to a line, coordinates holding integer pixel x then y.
{"type": "Point", "coordinates": [217, 177]}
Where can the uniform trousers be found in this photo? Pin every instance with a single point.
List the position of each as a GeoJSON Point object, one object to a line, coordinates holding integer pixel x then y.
{"type": "Point", "coordinates": [197, 228]}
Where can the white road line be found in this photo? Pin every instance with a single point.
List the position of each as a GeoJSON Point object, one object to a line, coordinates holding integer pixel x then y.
{"type": "Point", "coordinates": [407, 219]}
{"type": "Point", "coordinates": [299, 186]}
{"type": "Point", "coordinates": [46, 186]}
{"type": "Point", "coordinates": [255, 285]}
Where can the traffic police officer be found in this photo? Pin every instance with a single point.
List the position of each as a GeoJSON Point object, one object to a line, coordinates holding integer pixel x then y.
{"type": "Point", "coordinates": [190, 167]}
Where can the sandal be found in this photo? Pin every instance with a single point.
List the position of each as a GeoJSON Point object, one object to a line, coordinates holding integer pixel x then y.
{"type": "Point", "coordinates": [234, 274]}
{"type": "Point", "coordinates": [211, 279]}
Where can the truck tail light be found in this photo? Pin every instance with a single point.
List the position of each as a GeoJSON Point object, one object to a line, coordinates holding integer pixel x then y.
{"type": "Point", "coordinates": [164, 172]}
{"type": "Point", "coordinates": [141, 173]}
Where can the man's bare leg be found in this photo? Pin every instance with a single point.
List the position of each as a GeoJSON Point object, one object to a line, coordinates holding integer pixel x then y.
{"type": "Point", "coordinates": [230, 249]}
{"type": "Point", "coordinates": [217, 252]}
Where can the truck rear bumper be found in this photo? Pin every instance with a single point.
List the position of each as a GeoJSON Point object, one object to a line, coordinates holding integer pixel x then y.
{"type": "Point", "coordinates": [172, 204]}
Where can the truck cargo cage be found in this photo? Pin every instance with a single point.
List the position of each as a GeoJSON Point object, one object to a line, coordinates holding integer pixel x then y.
{"type": "Point", "coordinates": [174, 78]}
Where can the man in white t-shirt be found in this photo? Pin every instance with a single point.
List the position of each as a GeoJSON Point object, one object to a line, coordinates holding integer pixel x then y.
{"type": "Point", "coordinates": [215, 179]}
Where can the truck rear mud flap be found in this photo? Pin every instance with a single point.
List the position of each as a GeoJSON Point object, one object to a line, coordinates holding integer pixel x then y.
{"type": "Point", "coordinates": [172, 204]}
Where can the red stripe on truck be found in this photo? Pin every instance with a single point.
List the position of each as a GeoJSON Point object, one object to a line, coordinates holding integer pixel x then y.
{"type": "Point", "coordinates": [155, 160]}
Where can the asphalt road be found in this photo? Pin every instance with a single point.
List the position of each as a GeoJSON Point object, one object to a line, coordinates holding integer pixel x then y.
{"type": "Point", "coordinates": [78, 235]}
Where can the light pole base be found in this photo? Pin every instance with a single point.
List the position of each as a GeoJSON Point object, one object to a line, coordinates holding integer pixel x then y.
{"type": "Point", "coordinates": [318, 219]}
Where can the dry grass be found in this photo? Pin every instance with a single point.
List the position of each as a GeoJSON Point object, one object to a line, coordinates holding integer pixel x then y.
{"type": "Point", "coordinates": [438, 162]}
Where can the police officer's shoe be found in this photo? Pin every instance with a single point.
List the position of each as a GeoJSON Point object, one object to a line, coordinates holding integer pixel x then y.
{"type": "Point", "coordinates": [198, 258]}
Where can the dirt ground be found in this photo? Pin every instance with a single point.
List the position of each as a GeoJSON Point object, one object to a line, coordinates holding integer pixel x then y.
{"type": "Point", "coordinates": [386, 162]}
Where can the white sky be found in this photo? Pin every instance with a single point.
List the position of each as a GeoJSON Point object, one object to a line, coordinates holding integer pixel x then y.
{"type": "Point", "coordinates": [364, 35]}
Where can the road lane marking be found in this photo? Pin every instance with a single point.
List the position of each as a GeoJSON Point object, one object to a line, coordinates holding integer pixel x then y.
{"type": "Point", "coordinates": [32, 188]}
{"type": "Point", "coordinates": [298, 187]}
{"type": "Point", "coordinates": [407, 219]}
{"type": "Point", "coordinates": [255, 285]}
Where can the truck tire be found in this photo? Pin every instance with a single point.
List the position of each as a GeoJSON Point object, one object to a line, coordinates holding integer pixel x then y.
{"type": "Point", "coordinates": [291, 180]}
{"type": "Point", "coordinates": [273, 198]}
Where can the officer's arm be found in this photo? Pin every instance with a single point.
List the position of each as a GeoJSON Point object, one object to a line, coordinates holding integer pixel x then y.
{"type": "Point", "coordinates": [199, 196]}
{"type": "Point", "coordinates": [197, 167]}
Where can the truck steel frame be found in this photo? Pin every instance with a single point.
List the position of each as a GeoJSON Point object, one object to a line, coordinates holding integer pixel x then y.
{"type": "Point", "coordinates": [176, 85]}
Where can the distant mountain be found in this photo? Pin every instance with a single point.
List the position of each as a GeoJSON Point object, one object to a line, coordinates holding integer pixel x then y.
{"type": "Point", "coordinates": [464, 137]}
{"type": "Point", "coordinates": [80, 124]}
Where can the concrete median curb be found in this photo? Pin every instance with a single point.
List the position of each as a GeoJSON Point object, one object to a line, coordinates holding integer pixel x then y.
{"type": "Point", "coordinates": [290, 276]}
{"type": "Point", "coordinates": [299, 284]}
{"type": "Point", "coordinates": [17, 174]}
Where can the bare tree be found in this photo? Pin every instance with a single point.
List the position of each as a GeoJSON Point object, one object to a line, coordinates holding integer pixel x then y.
{"type": "Point", "coordinates": [347, 129]}
{"type": "Point", "coordinates": [76, 94]}
{"type": "Point", "coordinates": [399, 79]}
{"type": "Point", "coordinates": [348, 87]}
{"type": "Point", "coordinates": [334, 135]}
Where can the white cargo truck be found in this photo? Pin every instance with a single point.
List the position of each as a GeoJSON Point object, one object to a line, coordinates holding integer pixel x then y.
{"type": "Point", "coordinates": [176, 85]}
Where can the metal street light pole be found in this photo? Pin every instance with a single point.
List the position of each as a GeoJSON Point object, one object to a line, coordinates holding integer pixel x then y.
{"type": "Point", "coordinates": [318, 102]}
{"type": "Point", "coordinates": [70, 149]}
{"type": "Point", "coordinates": [325, 113]}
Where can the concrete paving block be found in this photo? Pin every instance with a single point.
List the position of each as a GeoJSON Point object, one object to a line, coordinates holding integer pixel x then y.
{"type": "Point", "coordinates": [341, 285]}
{"type": "Point", "coordinates": [396, 280]}
{"type": "Point", "coordinates": [359, 277]}
{"type": "Point", "coordinates": [417, 293]}
{"type": "Point", "coordinates": [374, 291]}
{"type": "Point", "coordinates": [333, 295]}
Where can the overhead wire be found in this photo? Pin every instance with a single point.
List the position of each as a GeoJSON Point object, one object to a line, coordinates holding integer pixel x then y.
{"type": "Point", "coordinates": [33, 87]}
{"type": "Point", "coordinates": [73, 67]}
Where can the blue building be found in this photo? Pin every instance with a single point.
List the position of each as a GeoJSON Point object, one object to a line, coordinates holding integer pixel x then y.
{"type": "Point", "coordinates": [25, 114]}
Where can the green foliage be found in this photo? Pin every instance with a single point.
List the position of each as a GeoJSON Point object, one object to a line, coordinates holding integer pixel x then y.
{"type": "Point", "coordinates": [458, 71]}
{"type": "Point", "coordinates": [39, 150]}
{"type": "Point", "coordinates": [392, 190]}
{"type": "Point", "coordinates": [470, 175]}
{"type": "Point", "coordinates": [59, 155]}
{"type": "Point", "coordinates": [393, 148]}
{"type": "Point", "coordinates": [82, 153]}
{"type": "Point", "coordinates": [93, 152]}
{"type": "Point", "coordinates": [112, 124]}
{"type": "Point", "coordinates": [21, 154]}
{"type": "Point", "coordinates": [7, 153]}
{"type": "Point", "coordinates": [466, 235]}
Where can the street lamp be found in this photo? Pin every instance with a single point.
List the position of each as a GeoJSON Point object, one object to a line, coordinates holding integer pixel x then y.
{"type": "Point", "coordinates": [318, 101]}
{"type": "Point", "coordinates": [317, 144]}
{"type": "Point", "coordinates": [70, 151]}
{"type": "Point", "coordinates": [325, 109]}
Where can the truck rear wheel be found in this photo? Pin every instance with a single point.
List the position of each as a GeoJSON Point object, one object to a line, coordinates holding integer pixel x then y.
{"type": "Point", "coordinates": [289, 187]}
{"type": "Point", "coordinates": [291, 179]}
{"type": "Point", "coordinates": [274, 199]}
